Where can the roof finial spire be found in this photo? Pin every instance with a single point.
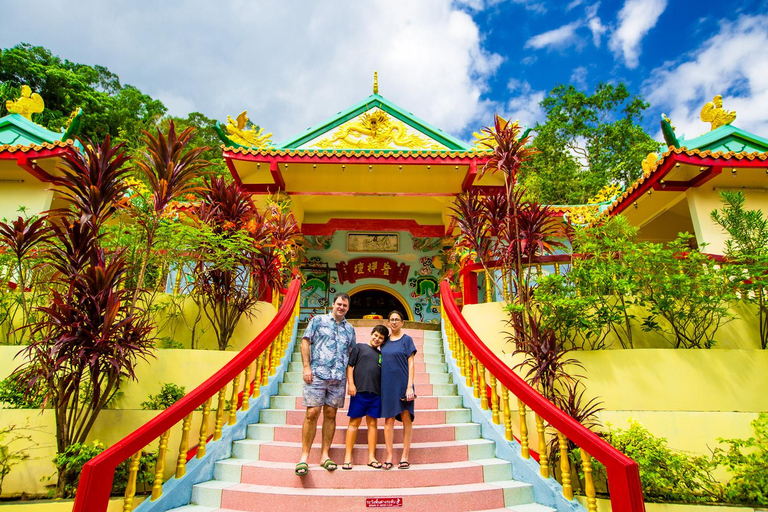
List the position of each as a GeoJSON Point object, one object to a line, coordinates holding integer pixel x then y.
{"type": "Point", "coordinates": [375, 82]}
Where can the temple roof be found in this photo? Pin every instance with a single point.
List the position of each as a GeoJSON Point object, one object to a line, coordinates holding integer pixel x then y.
{"type": "Point", "coordinates": [16, 130]}
{"type": "Point", "coordinates": [727, 139]}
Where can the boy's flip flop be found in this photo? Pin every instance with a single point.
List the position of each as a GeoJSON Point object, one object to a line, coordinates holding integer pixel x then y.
{"type": "Point", "coordinates": [347, 465]}
{"type": "Point", "coordinates": [375, 464]}
{"type": "Point", "coordinates": [329, 465]}
{"type": "Point", "coordinates": [302, 468]}
{"type": "Point", "coordinates": [386, 465]}
{"type": "Point", "coordinates": [404, 464]}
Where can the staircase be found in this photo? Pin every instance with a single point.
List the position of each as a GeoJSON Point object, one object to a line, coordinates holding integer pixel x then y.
{"type": "Point", "coordinates": [452, 467]}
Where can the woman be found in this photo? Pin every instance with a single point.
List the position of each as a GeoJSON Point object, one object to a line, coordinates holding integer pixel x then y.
{"type": "Point", "coordinates": [397, 392]}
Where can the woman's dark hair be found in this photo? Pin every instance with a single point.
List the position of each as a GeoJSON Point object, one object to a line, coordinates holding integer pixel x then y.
{"type": "Point", "coordinates": [395, 312]}
{"type": "Point", "coordinates": [381, 330]}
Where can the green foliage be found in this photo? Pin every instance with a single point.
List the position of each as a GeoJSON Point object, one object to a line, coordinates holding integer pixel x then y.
{"type": "Point", "coordinates": [109, 108]}
{"type": "Point", "coordinates": [10, 457]}
{"type": "Point", "coordinates": [15, 393]}
{"type": "Point", "coordinates": [665, 474]}
{"type": "Point", "coordinates": [586, 142]}
{"type": "Point", "coordinates": [70, 462]}
{"type": "Point", "coordinates": [747, 461]}
{"type": "Point", "coordinates": [747, 247]}
{"type": "Point", "coordinates": [169, 394]}
{"type": "Point", "coordinates": [685, 291]}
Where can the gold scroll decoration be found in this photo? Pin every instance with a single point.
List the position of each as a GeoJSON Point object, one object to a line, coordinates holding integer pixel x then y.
{"type": "Point", "coordinates": [28, 103]}
{"type": "Point", "coordinates": [238, 132]}
{"type": "Point", "coordinates": [375, 129]}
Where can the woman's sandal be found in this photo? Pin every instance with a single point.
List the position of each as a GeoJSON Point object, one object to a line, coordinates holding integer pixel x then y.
{"type": "Point", "coordinates": [329, 465]}
{"type": "Point", "coordinates": [302, 468]}
{"type": "Point", "coordinates": [347, 465]}
{"type": "Point", "coordinates": [386, 465]}
{"type": "Point", "coordinates": [404, 464]}
{"type": "Point", "coordinates": [375, 464]}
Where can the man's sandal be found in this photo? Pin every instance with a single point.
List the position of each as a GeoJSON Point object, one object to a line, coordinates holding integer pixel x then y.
{"type": "Point", "coordinates": [375, 464]}
{"type": "Point", "coordinates": [302, 468]}
{"type": "Point", "coordinates": [329, 465]}
{"type": "Point", "coordinates": [346, 465]}
{"type": "Point", "coordinates": [404, 464]}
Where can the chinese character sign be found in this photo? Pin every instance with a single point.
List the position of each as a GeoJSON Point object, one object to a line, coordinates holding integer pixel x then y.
{"type": "Point", "coordinates": [377, 268]}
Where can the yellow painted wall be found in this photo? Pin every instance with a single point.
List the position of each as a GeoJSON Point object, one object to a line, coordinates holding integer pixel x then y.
{"type": "Point", "coordinates": [690, 397]}
{"type": "Point", "coordinates": [31, 194]}
{"type": "Point", "coordinates": [605, 506]}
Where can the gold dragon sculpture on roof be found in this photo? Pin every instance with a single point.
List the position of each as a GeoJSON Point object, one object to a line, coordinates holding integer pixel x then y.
{"type": "Point", "coordinates": [375, 130]}
{"type": "Point", "coordinates": [714, 113]}
{"type": "Point", "coordinates": [28, 103]}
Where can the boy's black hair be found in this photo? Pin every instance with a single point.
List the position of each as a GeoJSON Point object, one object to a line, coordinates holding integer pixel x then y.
{"type": "Point", "coordinates": [381, 330]}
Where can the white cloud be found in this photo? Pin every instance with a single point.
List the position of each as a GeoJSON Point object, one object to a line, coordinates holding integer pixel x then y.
{"type": "Point", "coordinates": [636, 18]}
{"type": "Point", "coordinates": [595, 25]}
{"type": "Point", "coordinates": [523, 104]}
{"type": "Point", "coordinates": [733, 63]}
{"type": "Point", "coordinates": [579, 77]}
{"type": "Point", "coordinates": [557, 38]}
{"type": "Point", "coordinates": [291, 64]}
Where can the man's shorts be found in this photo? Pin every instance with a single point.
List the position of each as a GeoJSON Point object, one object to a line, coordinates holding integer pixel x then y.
{"type": "Point", "coordinates": [325, 392]}
{"type": "Point", "coordinates": [364, 404]}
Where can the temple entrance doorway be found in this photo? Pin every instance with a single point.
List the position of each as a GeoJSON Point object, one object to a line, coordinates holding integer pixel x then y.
{"type": "Point", "coordinates": [376, 301]}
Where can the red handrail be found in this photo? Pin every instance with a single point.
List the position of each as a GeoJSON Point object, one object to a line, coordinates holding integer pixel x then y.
{"type": "Point", "coordinates": [623, 473]}
{"type": "Point", "coordinates": [96, 477]}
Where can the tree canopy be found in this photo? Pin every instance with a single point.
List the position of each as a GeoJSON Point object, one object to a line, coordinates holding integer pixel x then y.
{"type": "Point", "coordinates": [587, 142]}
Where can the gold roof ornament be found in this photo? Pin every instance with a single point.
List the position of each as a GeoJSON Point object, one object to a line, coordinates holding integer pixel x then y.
{"type": "Point", "coordinates": [649, 164]}
{"type": "Point", "coordinates": [375, 82]}
{"type": "Point", "coordinates": [237, 132]}
{"type": "Point", "coordinates": [375, 129]}
{"type": "Point", "coordinates": [714, 113]}
{"type": "Point", "coordinates": [28, 103]}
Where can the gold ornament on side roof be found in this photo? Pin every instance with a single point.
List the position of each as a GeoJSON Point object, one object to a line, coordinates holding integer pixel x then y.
{"type": "Point", "coordinates": [649, 164]}
{"type": "Point", "coordinates": [28, 103]}
{"type": "Point", "coordinates": [375, 130]}
{"type": "Point", "coordinates": [236, 130]}
{"type": "Point", "coordinates": [714, 113]}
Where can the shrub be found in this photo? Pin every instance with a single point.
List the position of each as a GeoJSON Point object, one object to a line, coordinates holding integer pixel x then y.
{"type": "Point", "coordinates": [747, 460]}
{"type": "Point", "coordinates": [666, 474]}
{"type": "Point", "coordinates": [15, 393]}
{"type": "Point", "coordinates": [169, 394]}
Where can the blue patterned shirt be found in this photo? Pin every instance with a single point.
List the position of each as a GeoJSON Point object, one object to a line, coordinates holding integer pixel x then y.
{"type": "Point", "coordinates": [330, 345]}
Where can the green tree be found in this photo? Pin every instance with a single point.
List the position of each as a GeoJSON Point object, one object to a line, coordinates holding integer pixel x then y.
{"type": "Point", "coordinates": [586, 142]}
{"type": "Point", "coordinates": [121, 111]}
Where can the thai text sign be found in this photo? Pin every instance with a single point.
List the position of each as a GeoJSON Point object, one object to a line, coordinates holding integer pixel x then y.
{"type": "Point", "coordinates": [383, 502]}
{"type": "Point", "coordinates": [379, 268]}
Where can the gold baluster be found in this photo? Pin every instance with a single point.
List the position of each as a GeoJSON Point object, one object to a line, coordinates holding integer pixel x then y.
{"type": "Point", "coordinates": [459, 351]}
{"type": "Point", "coordinates": [257, 376]}
{"type": "Point", "coordinates": [506, 286]}
{"type": "Point", "coordinates": [467, 364]}
{"type": "Point", "coordinates": [507, 414]}
{"type": "Point", "coordinates": [494, 401]}
{"type": "Point", "coordinates": [130, 488]}
{"type": "Point", "coordinates": [565, 466]}
{"type": "Point", "coordinates": [247, 389]}
{"type": "Point", "coordinates": [470, 362]}
{"type": "Point", "coordinates": [275, 357]}
{"type": "Point", "coordinates": [177, 281]}
{"type": "Point", "coordinates": [557, 268]}
{"type": "Point", "coordinates": [589, 484]}
{"type": "Point", "coordinates": [268, 362]}
{"type": "Point", "coordinates": [539, 271]}
{"type": "Point", "coordinates": [203, 429]}
{"type": "Point", "coordinates": [233, 402]}
{"type": "Point", "coordinates": [525, 450]}
{"type": "Point", "coordinates": [181, 462]}
{"type": "Point", "coordinates": [219, 414]}
{"type": "Point", "coordinates": [157, 486]}
{"type": "Point", "coordinates": [476, 377]}
{"type": "Point", "coordinates": [483, 388]}
{"type": "Point", "coordinates": [488, 286]}
{"type": "Point", "coordinates": [543, 457]}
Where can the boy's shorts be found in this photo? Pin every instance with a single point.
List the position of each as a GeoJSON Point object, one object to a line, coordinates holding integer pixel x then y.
{"type": "Point", "coordinates": [325, 392]}
{"type": "Point", "coordinates": [364, 404]}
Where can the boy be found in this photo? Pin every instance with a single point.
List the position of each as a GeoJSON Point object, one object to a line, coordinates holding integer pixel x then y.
{"type": "Point", "coordinates": [364, 388]}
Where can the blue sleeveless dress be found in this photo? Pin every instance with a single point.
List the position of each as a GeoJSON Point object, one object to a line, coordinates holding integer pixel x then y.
{"type": "Point", "coordinates": [394, 376]}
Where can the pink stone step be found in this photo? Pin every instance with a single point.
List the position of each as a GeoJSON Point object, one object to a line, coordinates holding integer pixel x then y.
{"type": "Point", "coordinates": [423, 416]}
{"type": "Point", "coordinates": [421, 433]}
{"type": "Point", "coordinates": [362, 476]}
{"type": "Point", "coordinates": [459, 498]}
{"type": "Point", "coordinates": [423, 402]}
{"type": "Point", "coordinates": [421, 453]}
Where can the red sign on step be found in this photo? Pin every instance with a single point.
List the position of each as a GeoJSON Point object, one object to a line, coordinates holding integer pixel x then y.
{"type": "Point", "coordinates": [383, 502]}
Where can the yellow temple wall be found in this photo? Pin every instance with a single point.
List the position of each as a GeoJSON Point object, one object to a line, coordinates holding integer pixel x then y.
{"type": "Point", "coordinates": [690, 397]}
{"type": "Point", "coordinates": [30, 194]}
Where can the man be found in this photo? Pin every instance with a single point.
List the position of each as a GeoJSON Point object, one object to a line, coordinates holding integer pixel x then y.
{"type": "Point", "coordinates": [325, 348]}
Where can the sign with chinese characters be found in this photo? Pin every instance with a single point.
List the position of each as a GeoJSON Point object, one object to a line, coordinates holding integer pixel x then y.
{"type": "Point", "coordinates": [377, 268]}
{"type": "Point", "coordinates": [373, 242]}
{"type": "Point", "coordinates": [383, 502]}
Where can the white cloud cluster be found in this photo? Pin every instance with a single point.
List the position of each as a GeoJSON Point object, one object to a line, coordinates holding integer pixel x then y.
{"type": "Point", "coordinates": [635, 19]}
{"type": "Point", "coordinates": [732, 62]}
{"type": "Point", "coordinates": [523, 105]}
{"type": "Point", "coordinates": [290, 64]}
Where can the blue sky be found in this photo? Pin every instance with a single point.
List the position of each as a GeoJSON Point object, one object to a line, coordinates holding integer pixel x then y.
{"type": "Point", "coordinates": [453, 63]}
